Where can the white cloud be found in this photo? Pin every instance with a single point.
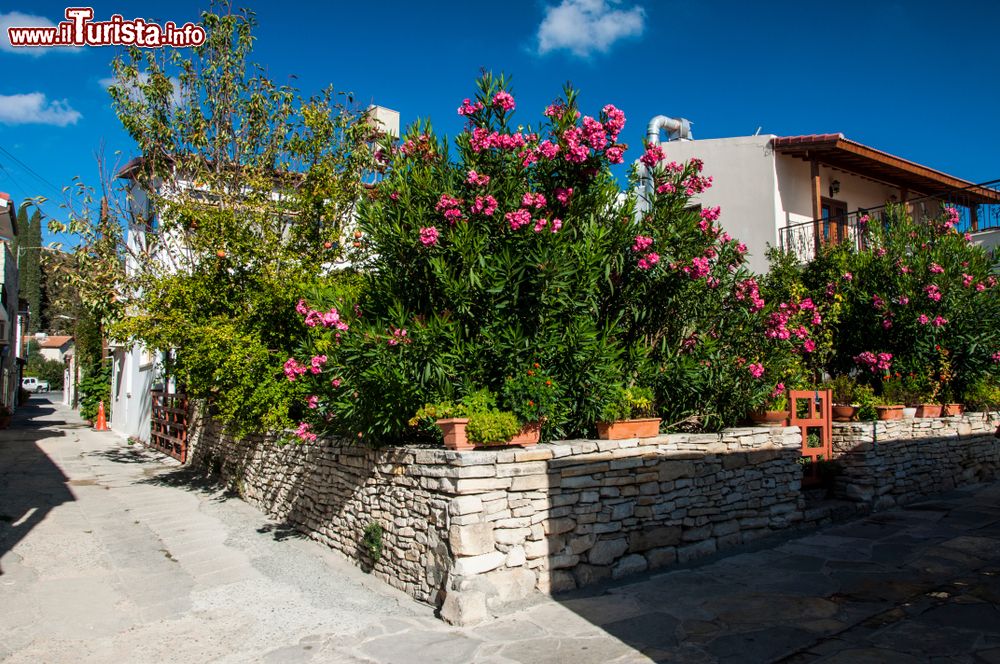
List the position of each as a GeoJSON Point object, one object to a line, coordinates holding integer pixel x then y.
{"type": "Point", "coordinates": [19, 20]}
{"type": "Point", "coordinates": [175, 96]}
{"type": "Point", "coordinates": [585, 27]}
{"type": "Point", "coordinates": [35, 108]}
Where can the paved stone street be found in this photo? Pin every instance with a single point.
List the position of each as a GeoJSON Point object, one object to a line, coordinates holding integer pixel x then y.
{"type": "Point", "coordinates": [109, 554]}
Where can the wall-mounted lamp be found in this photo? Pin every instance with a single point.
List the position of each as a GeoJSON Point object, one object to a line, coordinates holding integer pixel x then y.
{"type": "Point", "coordinates": [834, 188]}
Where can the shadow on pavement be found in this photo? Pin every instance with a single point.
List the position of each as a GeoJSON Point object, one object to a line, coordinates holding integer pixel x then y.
{"type": "Point", "coordinates": [31, 485]}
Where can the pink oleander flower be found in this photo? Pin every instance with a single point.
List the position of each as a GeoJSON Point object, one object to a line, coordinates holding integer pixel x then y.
{"type": "Point", "coordinates": [335, 382]}
{"type": "Point", "coordinates": [933, 292]}
{"type": "Point", "coordinates": [556, 225]}
{"type": "Point", "coordinates": [952, 217]}
{"type": "Point", "coordinates": [518, 218]}
{"type": "Point", "coordinates": [540, 225]}
{"type": "Point", "coordinates": [304, 433]}
{"type": "Point", "coordinates": [316, 363]}
{"type": "Point", "coordinates": [429, 236]}
{"type": "Point", "coordinates": [399, 336]}
{"type": "Point", "coordinates": [615, 155]}
{"type": "Point", "coordinates": [504, 100]}
{"type": "Point", "coordinates": [313, 401]}
{"type": "Point", "coordinates": [936, 269]}
{"type": "Point", "coordinates": [711, 214]}
{"type": "Point", "coordinates": [881, 251]}
{"type": "Point", "coordinates": [666, 188]}
{"type": "Point", "coordinates": [923, 319]}
{"type": "Point", "coordinates": [394, 195]}
{"type": "Point", "coordinates": [877, 302]}
{"type": "Point", "coordinates": [807, 304]}
{"type": "Point", "coordinates": [548, 149]}
{"type": "Point", "coordinates": [980, 287]}
{"type": "Point", "coordinates": [874, 363]}
{"type": "Point", "coordinates": [939, 321]}
{"type": "Point", "coordinates": [477, 179]}
{"type": "Point", "coordinates": [863, 220]}
{"type": "Point", "coordinates": [468, 108]}
{"type": "Point", "coordinates": [725, 238]}
{"type": "Point", "coordinates": [847, 276]}
{"type": "Point", "coordinates": [756, 369]}
{"type": "Point", "coordinates": [967, 280]}
{"type": "Point", "coordinates": [996, 357]}
{"type": "Point", "coordinates": [809, 345]}
{"type": "Point", "coordinates": [563, 195]}
{"type": "Point", "coordinates": [614, 122]}
{"type": "Point", "coordinates": [536, 201]}
{"type": "Point", "coordinates": [654, 155]}
{"type": "Point", "coordinates": [594, 133]}
{"type": "Point", "coordinates": [749, 290]}
{"type": "Point", "coordinates": [648, 261]}
{"type": "Point", "coordinates": [485, 205]}
{"type": "Point", "coordinates": [642, 243]}
{"type": "Point", "coordinates": [293, 369]}
{"type": "Point", "coordinates": [700, 267]}
{"type": "Point", "coordinates": [778, 389]}
{"type": "Point", "coordinates": [301, 307]}
{"type": "Point", "coordinates": [741, 248]}
{"type": "Point", "coordinates": [886, 323]}
{"type": "Point", "coordinates": [904, 300]}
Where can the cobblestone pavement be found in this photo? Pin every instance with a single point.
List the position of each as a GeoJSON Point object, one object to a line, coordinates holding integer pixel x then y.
{"type": "Point", "coordinates": [101, 560]}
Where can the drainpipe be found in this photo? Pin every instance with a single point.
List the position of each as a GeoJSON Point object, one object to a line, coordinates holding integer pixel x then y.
{"type": "Point", "coordinates": [678, 129]}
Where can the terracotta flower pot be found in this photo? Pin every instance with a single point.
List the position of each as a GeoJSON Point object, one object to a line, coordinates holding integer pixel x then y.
{"type": "Point", "coordinates": [620, 429]}
{"type": "Point", "coordinates": [844, 413]}
{"type": "Point", "coordinates": [456, 438]}
{"type": "Point", "coordinates": [770, 418]}
{"type": "Point", "coordinates": [929, 410]}
{"type": "Point", "coordinates": [889, 412]}
{"type": "Point", "coordinates": [909, 412]}
{"type": "Point", "coordinates": [952, 409]}
{"type": "Point", "coordinates": [453, 429]}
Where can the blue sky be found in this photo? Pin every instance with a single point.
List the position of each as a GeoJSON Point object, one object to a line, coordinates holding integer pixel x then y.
{"type": "Point", "coordinates": [911, 78]}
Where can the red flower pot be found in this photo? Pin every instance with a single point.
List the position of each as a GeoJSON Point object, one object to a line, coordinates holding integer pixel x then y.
{"type": "Point", "coordinates": [890, 412]}
{"type": "Point", "coordinates": [770, 418]}
{"type": "Point", "coordinates": [529, 435]}
{"type": "Point", "coordinates": [929, 410]}
{"type": "Point", "coordinates": [453, 429]}
{"type": "Point", "coordinates": [952, 409]}
{"type": "Point", "coordinates": [844, 413]}
{"type": "Point", "coordinates": [620, 429]}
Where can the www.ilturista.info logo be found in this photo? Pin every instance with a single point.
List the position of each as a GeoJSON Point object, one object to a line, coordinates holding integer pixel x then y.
{"type": "Point", "coordinates": [80, 30]}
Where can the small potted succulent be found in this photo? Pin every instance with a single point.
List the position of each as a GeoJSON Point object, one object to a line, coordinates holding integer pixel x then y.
{"type": "Point", "coordinates": [628, 412]}
{"type": "Point", "coordinates": [844, 408]}
{"type": "Point", "coordinates": [476, 422]}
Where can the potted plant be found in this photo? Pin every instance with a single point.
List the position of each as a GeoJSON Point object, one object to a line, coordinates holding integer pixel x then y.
{"type": "Point", "coordinates": [534, 397]}
{"type": "Point", "coordinates": [867, 403]}
{"type": "Point", "coordinates": [843, 388]}
{"type": "Point", "coordinates": [774, 414]}
{"type": "Point", "coordinates": [925, 396]}
{"type": "Point", "coordinates": [946, 397]}
{"type": "Point", "coordinates": [628, 412]}
{"type": "Point", "coordinates": [477, 422]}
{"type": "Point", "coordinates": [890, 406]}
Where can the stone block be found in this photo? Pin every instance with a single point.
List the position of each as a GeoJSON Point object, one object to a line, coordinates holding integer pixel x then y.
{"type": "Point", "coordinates": [511, 536]}
{"type": "Point", "coordinates": [472, 539]}
{"type": "Point", "coordinates": [580, 544]}
{"type": "Point", "coordinates": [479, 564]}
{"type": "Point", "coordinates": [651, 538]}
{"type": "Point", "coordinates": [630, 564]}
{"type": "Point", "coordinates": [521, 469]}
{"type": "Point", "coordinates": [586, 575]}
{"type": "Point", "coordinates": [507, 585]}
{"type": "Point", "coordinates": [661, 557]}
{"type": "Point", "coordinates": [672, 470]}
{"type": "Point", "coordinates": [558, 526]}
{"type": "Point", "coordinates": [604, 552]}
{"type": "Point", "coordinates": [464, 608]}
{"type": "Point", "coordinates": [465, 505]}
{"type": "Point", "coordinates": [529, 483]}
{"type": "Point", "coordinates": [516, 557]}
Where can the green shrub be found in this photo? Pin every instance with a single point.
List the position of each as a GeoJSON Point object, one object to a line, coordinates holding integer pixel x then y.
{"type": "Point", "coordinates": [371, 541]}
{"type": "Point", "coordinates": [864, 396]}
{"type": "Point", "coordinates": [494, 426]}
{"type": "Point", "coordinates": [94, 388]}
{"type": "Point", "coordinates": [983, 395]}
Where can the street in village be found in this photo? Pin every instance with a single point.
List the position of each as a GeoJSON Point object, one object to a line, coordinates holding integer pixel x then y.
{"type": "Point", "coordinates": [112, 553]}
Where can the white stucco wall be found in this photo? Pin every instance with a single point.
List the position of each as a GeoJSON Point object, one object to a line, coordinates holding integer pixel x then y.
{"type": "Point", "coordinates": [744, 186]}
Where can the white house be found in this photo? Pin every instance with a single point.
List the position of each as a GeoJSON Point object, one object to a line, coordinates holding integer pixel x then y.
{"type": "Point", "coordinates": [136, 370]}
{"type": "Point", "coordinates": [10, 311]}
{"type": "Point", "coordinates": [799, 192]}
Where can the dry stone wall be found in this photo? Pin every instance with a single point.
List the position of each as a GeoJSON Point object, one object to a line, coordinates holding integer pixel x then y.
{"type": "Point", "coordinates": [473, 531]}
{"type": "Point", "coordinates": [894, 462]}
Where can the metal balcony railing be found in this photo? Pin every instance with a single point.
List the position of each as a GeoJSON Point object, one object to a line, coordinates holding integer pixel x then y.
{"type": "Point", "coordinates": [805, 238]}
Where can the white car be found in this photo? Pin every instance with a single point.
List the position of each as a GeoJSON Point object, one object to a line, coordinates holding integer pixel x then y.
{"type": "Point", "coordinates": [34, 385]}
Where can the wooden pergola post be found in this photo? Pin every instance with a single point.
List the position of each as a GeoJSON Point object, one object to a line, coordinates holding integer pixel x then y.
{"type": "Point", "coordinates": [817, 203]}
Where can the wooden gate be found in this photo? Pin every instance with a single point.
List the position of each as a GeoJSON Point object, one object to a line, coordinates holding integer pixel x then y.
{"type": "Point", "coordinates": [169, 426]}
{"type": "Point", "coordinates": [812, 412]}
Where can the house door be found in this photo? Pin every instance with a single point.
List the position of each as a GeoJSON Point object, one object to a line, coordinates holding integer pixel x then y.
{"type": "Point", "coordinates": [833, 227]}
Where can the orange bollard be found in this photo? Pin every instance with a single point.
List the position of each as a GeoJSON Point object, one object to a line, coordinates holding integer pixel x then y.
{"type": "Point", "coordinates": [102, 422]}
